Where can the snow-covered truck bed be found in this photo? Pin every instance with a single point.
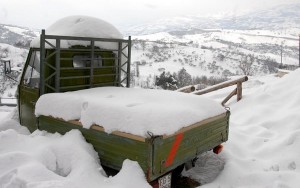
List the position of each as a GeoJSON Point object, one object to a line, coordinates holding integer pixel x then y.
{"type": "Point", "coordinates": [160, 129]}
{"type": "Point", "coordinates": [75, 78]}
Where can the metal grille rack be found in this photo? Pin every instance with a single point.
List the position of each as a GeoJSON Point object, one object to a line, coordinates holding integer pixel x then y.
{"type": "Point", "coordinates": [122, 56]}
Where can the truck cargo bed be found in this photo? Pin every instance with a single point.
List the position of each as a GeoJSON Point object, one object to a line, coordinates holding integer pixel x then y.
{"type": "Point", "coordinates": [156, 154]}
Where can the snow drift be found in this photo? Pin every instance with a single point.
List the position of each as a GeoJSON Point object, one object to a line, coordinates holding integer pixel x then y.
{"type": "Point", "coordinates": [49, 160]}
{"type": "Point", "coordinates": [263, 149]}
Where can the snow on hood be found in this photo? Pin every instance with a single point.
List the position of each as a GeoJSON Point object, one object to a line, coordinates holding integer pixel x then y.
{"type": "Point", "coordinates": [81, 26]}
{"type": "Point", "coordinates": [130, 110]}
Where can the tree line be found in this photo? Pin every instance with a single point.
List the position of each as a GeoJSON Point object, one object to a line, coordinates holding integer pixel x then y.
{"type": "Point", "coordinates": [182, 78]}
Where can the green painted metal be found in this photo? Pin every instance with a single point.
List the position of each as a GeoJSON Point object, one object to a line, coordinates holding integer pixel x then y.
{"type": "Point", "coordinates": [152, 153]}
{"type": "Point", "coordinates": [52, 60]}
{"type": "Point", "coordinates": [71, 78]}
{"type": "Point", "coordinates": [28, 97]}
{"type": "Point", "coordinates": [112, 149]}
{"type": "Point", "coordinates": [194, 142]}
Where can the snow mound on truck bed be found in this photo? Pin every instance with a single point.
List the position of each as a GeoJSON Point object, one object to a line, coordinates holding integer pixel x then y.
{"type": "Point", "coordinates": [130, 110]}
{"type": "Point", "coordinates": [81, 26]}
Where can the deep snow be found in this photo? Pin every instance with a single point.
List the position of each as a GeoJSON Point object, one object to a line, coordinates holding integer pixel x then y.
{"type": "Point", "coordinates": [49, 160]}
{"type": "Point", "coordinates": [131, 110]}
{"type": "Point", "coordinates": [263, 149]}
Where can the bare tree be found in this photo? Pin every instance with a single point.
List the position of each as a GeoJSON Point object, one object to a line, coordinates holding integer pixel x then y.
{"type": "Point", "coordinates": [246, 64]}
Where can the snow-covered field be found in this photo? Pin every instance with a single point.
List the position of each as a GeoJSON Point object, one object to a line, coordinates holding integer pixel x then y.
{"type": "Point", "coordinates": [263, 149]}
{"type": "Point", "coordinates": [217, 52]}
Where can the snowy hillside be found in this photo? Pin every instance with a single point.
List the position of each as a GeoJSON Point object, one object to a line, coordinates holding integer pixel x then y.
{"type": "Point", "coordinates": [218, 53]}
{"type": "Point", "coordinates": [281, 17]}
{"type": "Point", "coordinates": [14, 44]}
{"type": "Point", "coordinates": [205, 47]}
{"type": "Point", "coordinates": [216, 46]}
{"type": "Point", "coordinates": [262, 151]}
{"type": "Point", "coordinates": [17, 56]}
{"type": "Point", "coordinates": [232, 47]}
{"type": "Point", "coordinates": [17, 36]}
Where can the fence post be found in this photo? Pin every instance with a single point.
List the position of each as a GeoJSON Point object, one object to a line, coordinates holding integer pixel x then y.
{"type": "Point", "coordinates": [239, 90]}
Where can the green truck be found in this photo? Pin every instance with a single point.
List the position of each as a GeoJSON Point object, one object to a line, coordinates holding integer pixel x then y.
{"type": "Point", "coordinates": [53, 68]}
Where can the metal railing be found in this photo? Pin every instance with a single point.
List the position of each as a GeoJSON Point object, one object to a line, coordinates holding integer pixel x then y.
{"type": "Point", "coordinates": [122, 51]}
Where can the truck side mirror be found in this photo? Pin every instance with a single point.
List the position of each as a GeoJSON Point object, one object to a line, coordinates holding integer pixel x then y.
{"type": "Point", "coordinates": [6, 65]}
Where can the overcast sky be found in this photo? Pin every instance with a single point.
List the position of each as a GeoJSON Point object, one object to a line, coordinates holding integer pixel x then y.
{"type": "Point", "coordinates": [42, 13]}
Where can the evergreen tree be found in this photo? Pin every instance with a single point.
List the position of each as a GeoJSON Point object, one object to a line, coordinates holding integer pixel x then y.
{"type": "Point", "coordinates": [183, 78]}
{"type": "Point", "coordinates": [166, 81]}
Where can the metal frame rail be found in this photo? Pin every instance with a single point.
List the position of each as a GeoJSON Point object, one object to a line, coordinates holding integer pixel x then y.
{"type": "Point", "coordinates": [122, 65]}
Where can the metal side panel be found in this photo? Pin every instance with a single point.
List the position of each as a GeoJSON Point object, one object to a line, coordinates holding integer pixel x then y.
{"type": "Point", "coordinates": [112, 149]}
{"type": "Point", "coordinates": [27, 99]}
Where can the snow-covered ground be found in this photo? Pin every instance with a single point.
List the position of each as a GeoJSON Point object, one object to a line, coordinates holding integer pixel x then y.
{"type": "Point", "coordinates": [216, 53]}
{"type": "Point", "coordinates": [49, 160]}
{"type": "Point", "coordinates": [263, 149]}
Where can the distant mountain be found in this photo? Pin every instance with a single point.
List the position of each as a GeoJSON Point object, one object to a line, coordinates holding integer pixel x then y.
{"type": "Point", "coordinates": [285, 16]}
{"type": "Point", "coordinates": [16, 35]}
{"type": "Point", "coordinates": [192, 24]}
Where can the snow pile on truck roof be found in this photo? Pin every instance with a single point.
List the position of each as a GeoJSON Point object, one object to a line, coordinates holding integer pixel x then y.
{"type": "Point", "coordinates": [81, 26]}
{"type": "Point", "coordinates": [130, 110]}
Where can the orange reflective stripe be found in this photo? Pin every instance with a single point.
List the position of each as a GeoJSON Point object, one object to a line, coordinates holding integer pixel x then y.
{"type": "Point", "coordinates": [174, 149]}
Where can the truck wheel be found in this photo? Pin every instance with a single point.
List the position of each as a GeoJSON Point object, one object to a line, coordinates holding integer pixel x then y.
{"type": "Point", "coordinates": [179, 181]}
{"type": "Point", "coordinates": [176, 173]}
{"type": "Point", "coordinates": [109, 171]}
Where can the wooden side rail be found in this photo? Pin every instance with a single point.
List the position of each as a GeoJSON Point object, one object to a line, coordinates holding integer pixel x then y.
{"type": "Point", "coordinates": [187, 89]}
{"type": "Point", "coordinates": [237, 91]}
